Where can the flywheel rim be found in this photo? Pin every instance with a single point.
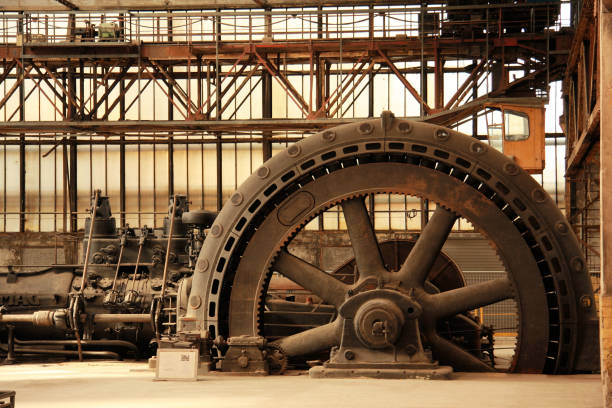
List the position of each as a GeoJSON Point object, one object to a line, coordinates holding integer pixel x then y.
{"type": "Point", "coordinates": [426, 148]}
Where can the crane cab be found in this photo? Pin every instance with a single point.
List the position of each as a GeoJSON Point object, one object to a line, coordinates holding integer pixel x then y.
{"type": "Point", "coordinates": [518, 132]}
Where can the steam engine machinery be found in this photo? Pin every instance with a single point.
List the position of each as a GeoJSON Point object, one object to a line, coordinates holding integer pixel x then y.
{"type": "Point", "coordinates": [125, 270]}
{"type": "Point", "coordinates": [381, 314]}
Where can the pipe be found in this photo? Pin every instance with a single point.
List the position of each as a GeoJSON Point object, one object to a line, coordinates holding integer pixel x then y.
{"type": "Point", "coordinates": [131, 297]}
{"type": "Point", "coordinates": [95, 354]}
{"type": "Point", "coordinates": [97, 318]}
{"type": "Point", "coordinates": [123, 241]}
{"type": "Point", "coordinates": [10, 356]}
{"type": "Point", "coordinates": [93, 343]}
{"type": "Point", "coordinates": [17, 318]}
{"type": "Point", "coordinates": [120, 318]}
{"type": "Point", "coordinates": [92, 225]}
{"type": "Point", "coordinates": [168, 246]}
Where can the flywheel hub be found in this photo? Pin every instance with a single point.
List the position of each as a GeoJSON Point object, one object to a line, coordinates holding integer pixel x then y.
{"type": "Point", "coordinates": [378, 323]}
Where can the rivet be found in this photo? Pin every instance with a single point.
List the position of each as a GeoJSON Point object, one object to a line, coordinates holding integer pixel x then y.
{"type": "Point", "coordinates": [538, 195]}
{"type": "Point", "coordinates": [329, 136]}
{"type": "Point", "coordinates": [577, 264]}
{"type": "Point", "coordinates": [365, 128]}
{"type": "Point", "coordinates": [237, 198]}
{"type": "Point", "coordinates": [202, 265]}
{"type": "Point", "coordinates": [586, 301]}
{"type": "Point", "coordinates": [216, 230]}
{"type": "Point", "coordinates": [263, 172]}
{"type": "Point", "coordinates": [478, 148]}
{"type": "Point", "coordinates": [195, 302]}
{"type": "Point", "coordinates": [562, 227]}
{"type": "Point", "coordinates": [442, 135]}
{"type": "Point", "coordinates": [511, 169]}
{"type": "Point", "coordinates": [294, 150]}
{"type": "Point", "coordinates": [405, 127]}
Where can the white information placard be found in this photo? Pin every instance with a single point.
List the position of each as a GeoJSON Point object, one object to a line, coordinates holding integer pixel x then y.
{"type": "Point", "coordinates": [177, 364]}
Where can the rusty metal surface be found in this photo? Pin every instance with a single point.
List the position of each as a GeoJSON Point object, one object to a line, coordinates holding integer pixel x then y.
{"type": "Point", "coordinates": [546, 271]}
{"type": "Point", "coordinates": [444, 274]}
{"type": "Point", "coordinates": [7, 399]}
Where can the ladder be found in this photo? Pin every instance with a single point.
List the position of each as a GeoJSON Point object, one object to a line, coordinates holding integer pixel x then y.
{"type": "Point", "coordinates": [169, 313]}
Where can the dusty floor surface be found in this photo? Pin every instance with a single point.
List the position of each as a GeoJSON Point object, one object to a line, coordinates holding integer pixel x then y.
{"type": "Point", "coordinates": [129, 384]}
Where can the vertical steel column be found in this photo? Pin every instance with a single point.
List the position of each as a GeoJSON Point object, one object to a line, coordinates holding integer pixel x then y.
{"type": "Point", "coordinates": [81, 88]}
{"type": "Point", "coordinates": [266, 94]}
{"type": "Point", "coordinates": [475, 116]}
{"type": "Point", "coordinates": [22, 147]}
{"type": "Point", "coordinates": [122, 195]}
{"type": "Point", "coordinates": [371, 104]}
{"type": "Point", "coordinates": [320, 75]}
{"type": "Point", "coordinates": [71, 86]}
{"type": "Point", "coordinates": [266, 104]}
{"type": "Point", "coordinates": [320, 66]}
{"type": "Point", "coordinates": [605, 69]}
{"type": "Point", "coordinates": [170, 117]}
{"type": "Point", "coordinates": [438, 77]}
{"type": "Point", "coordinates": [199, 81]}
{"type": "Point", "coordinates": [71, 79]}
{"type": "Point", "coordinates": [219, 147]}
{"type": "Point", "coordinates": [424, 91]}
{"type": "Point", "coordinates": [371, 74]}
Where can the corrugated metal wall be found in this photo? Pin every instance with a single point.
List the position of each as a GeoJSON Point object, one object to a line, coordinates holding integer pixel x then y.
{"type": "Point", "coordinates": [479, 262]}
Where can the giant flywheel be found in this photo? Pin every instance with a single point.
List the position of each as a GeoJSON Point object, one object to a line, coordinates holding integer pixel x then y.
{"type": "Point", "coordinates": [399, 315]}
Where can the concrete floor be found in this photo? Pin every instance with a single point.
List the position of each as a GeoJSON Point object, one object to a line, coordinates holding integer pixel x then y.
{"type": "Point", "coordinates": [129, 384]}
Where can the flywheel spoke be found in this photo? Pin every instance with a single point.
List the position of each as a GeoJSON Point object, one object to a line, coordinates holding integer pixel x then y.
{"type": "Point", "coordinates": [455, 356]}
{"type": "Point", "coordinates": [471, 297]}
{"type": "Point", "coordinates": [417, 265]}
{"type": "Point", "coordinates": [311, 341]}
{"type": "Point", "coordinates": [311, 278]}
{"type": "Point", "coordinates": [363, 239]}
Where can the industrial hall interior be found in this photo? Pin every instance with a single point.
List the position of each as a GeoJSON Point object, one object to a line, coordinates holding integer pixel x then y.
{"type": "Point", "coordinates": [305, 203]}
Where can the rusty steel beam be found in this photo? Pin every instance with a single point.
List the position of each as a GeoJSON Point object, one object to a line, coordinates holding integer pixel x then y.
{"type": "Point", "coordinates": [588, 136]}
{"type": "Point", "coordinates": [68, 4]}
{"type": "Point", "coordinates": [36, 86]}
{"type": "Point", "coordinates": [404, 81]}
{"type": "Point", "coordinates": [605, 88]}
{"type": "Point", "coordinates": [231, 71]}
{"type": "Point", "coordinates": [45, 79]}
{"type": "Point", "coordinates": [353, 88]}
{"type": "Point", "coordinates": [283, 82]}
{"type": "Point", "coordinates": [331, 98]}
{"type": "Point", "coordinates": [118, 127]}
{"type": "Point", "coordinates": [222, 91]}
{"type": "Point", "coordinates": [120, 98]}
{"type": "Point", "coordinates": [7, 71]}
{"type": "Point", "coordinates": [297, 50]}
{"type": "Point", "coordinates": [66, 93]}
{"type": "Point", "coordinates": [189, 105]}
{"type": "Point", "coordinates": [107, 93]}
{"type": "Point", "coordinates": [239, 88]}
{"type": "Point", "coordinates": [585, 23]}
{"type": "Point", "coordinates": [14, 88]}
{"type": "Point", "coordinates": [337, 95]}
{"type": "Point", "coordinates": [474, 75]}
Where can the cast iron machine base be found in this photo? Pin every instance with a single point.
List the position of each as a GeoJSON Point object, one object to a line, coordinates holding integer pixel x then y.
{"type": "Point", "coordinates": [380, 338]}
